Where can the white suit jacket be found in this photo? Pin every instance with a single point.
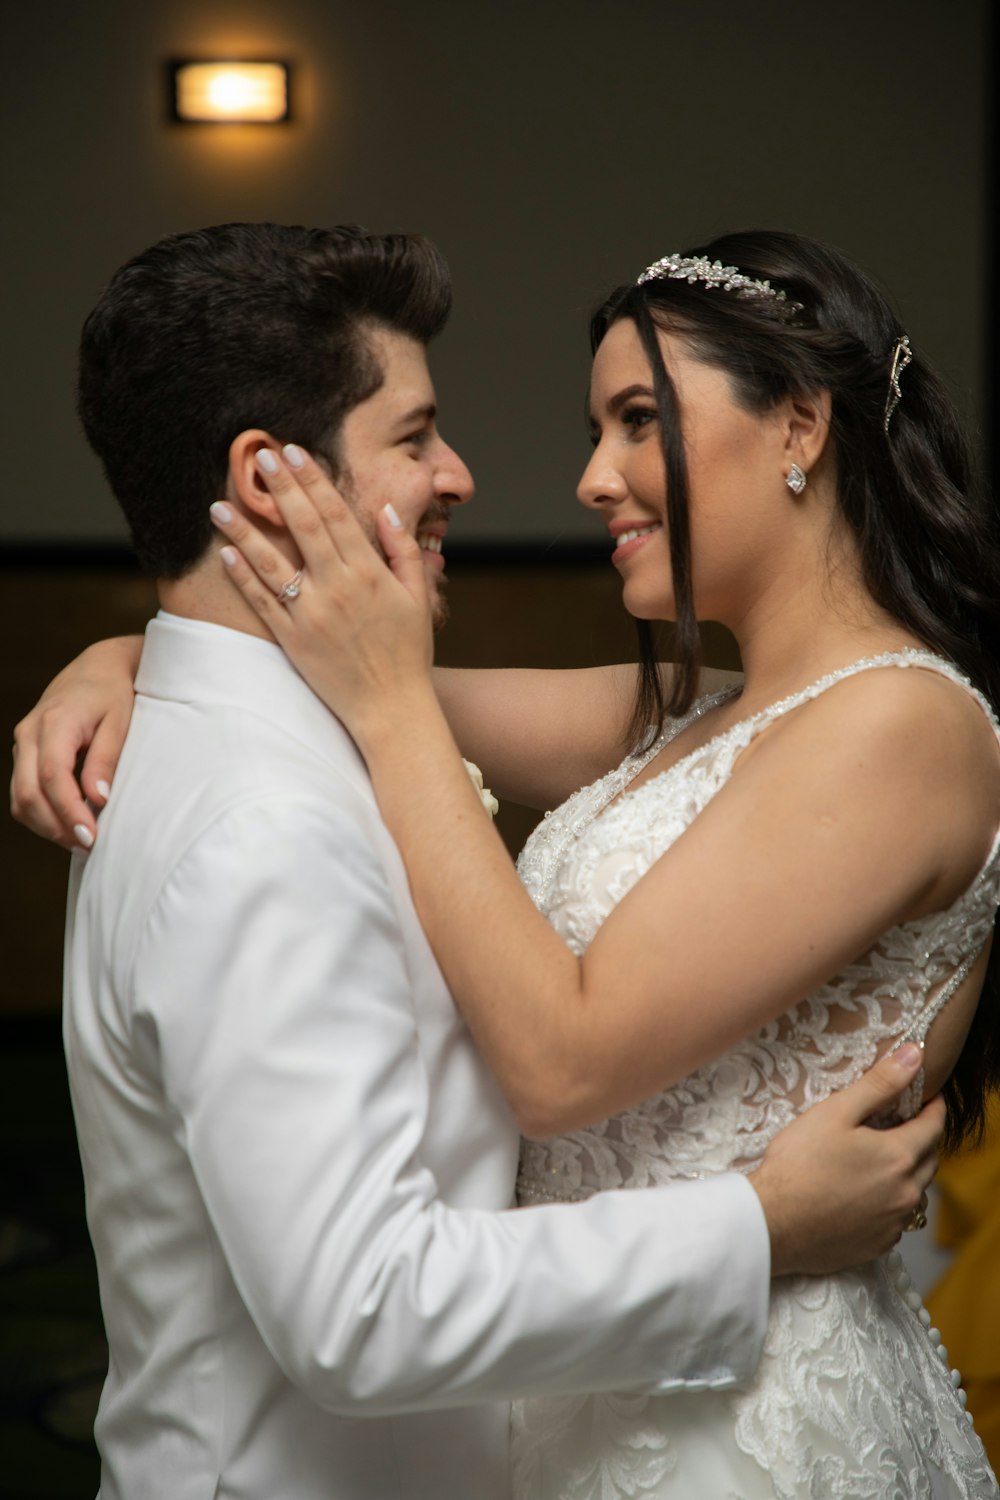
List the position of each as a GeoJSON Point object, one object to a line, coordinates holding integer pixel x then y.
{"type": "Point", "coordinates": [298, 1172]}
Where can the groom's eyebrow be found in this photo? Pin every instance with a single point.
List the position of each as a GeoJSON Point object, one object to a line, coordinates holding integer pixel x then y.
{"type": "Point", "coordinates": [425, 413]}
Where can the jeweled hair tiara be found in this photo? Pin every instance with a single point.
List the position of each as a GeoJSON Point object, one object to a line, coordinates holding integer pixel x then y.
{"type": "Point", "coordinates": [712, 273]}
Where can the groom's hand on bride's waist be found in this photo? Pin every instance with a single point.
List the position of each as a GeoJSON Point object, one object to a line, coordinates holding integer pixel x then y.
{"type": "Point", "coordinates": [836, 1191]}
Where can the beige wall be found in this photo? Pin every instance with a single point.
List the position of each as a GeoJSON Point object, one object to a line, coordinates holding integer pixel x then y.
{"type": "Point", "coordinates": [551, 147]}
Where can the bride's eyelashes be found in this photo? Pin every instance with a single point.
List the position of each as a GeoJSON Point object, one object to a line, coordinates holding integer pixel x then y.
{"type": "Point", "coordinates": [635, 417]}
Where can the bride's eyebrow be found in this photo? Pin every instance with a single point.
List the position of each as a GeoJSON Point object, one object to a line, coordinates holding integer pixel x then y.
{"type": "Point", "coordinates": [622, 398]}
{"type": "Point", "coordinates": [616, 402]}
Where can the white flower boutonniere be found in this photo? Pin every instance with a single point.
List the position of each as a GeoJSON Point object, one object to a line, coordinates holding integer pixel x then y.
{"type": "Point", "coordinates": [486, 797]}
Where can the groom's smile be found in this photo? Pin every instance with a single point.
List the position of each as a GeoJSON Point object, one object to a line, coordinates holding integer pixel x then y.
{"type": "Point", "coordinates": [391, 450]}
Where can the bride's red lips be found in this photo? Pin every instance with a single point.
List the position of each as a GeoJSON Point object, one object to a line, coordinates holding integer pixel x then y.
{"type": "Point", "coordinates": [624, 550]}
{"type": "Point", "coordinates": [615, 528]}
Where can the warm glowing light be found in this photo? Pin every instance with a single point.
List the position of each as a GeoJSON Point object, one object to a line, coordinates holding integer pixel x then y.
{"type": "Point", "coordinates": [240, 92]}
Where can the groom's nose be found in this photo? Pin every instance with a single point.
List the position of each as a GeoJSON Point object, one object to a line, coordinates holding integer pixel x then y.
{"type": "Point", "coordinates": [453, 482]}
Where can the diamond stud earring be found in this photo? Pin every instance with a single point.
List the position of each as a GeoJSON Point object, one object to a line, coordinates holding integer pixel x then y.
{"type": "Point", "coordinates": [795, 479]}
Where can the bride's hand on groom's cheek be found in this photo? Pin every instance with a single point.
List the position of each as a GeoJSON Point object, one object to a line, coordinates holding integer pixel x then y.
{"type": "Point", "coordinates": [357, 630]}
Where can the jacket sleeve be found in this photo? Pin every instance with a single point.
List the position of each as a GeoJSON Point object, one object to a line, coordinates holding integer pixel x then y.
{"type": "Point", "coordinates": [289, 1053]}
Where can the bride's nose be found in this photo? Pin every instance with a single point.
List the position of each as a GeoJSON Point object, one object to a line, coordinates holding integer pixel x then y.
{"type": "Point", "coordinates": [601, 483]}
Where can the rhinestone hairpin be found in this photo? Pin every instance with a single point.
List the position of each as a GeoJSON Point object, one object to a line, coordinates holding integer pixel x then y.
{"type": "Point", "coordinates": [901, 356]}
{"type": "Point", "coordinates": [712, 273]}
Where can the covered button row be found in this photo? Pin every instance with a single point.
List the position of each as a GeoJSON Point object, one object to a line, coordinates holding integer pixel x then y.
{"type": "Point", "coordinates": [901, 1277]}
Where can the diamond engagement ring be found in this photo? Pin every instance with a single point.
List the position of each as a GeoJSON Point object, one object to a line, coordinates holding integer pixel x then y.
{"type": "Point", "coordinates": [292, 588]}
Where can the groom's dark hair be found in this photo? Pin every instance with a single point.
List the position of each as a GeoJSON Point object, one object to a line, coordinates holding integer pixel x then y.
{"type": "Point", "coordinates": [213, 331]}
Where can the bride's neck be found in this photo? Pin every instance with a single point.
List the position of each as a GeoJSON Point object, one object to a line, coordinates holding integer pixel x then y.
{"type": "Point", "coordinates": [805, 627]}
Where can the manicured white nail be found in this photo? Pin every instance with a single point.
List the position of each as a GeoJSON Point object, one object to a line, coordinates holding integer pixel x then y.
{"type": "Point", "coordinates": [104, 789]}
{"type": "Point", "coordinates": [220, 512]}
{"type": "Point", "coordinates": [228, 555]}
{"type": "Point", "coordinates": [394, 520]}
{"type": "Point", "coordinates": [294, 455]}
{"type": "Point", "coordinates": [84, 837]}
{"type": "Point", "coordinates": [266, 461]}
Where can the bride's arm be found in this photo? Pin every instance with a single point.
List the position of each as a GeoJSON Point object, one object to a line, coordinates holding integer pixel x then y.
{"type": "Point", "coordinates": [799, 864]}
{"type": "Point", "coordinates": [803, 859]}
{"type": "Point", "coordinates": [84, 711]}
{"type": "Point", "coordinates": [538, 735]}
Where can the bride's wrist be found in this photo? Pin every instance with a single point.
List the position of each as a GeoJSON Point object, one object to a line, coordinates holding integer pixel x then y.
{"type": "Point", "coordinates": [112, 661]}
{"type": "Point", "coordinates": [381, 723]}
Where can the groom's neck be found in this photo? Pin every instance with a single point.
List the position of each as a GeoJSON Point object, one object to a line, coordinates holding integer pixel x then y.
{"type": "Point", "coordinates": [205, 593]}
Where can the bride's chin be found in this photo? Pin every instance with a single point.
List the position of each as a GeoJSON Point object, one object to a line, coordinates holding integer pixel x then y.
{"type": "Point", "coordinates": [641, 607]}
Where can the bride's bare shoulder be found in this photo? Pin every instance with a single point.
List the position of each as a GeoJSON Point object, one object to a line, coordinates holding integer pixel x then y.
{"type": "Point", "coordinates": [913, 749]}
{"type": "Point", "coordinates": [922, 708]}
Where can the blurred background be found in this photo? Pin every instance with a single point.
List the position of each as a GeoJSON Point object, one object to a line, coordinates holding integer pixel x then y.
{"type": "Point", "coordinates": [552, 149]}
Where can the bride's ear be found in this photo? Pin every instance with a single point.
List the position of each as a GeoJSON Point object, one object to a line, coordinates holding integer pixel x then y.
{"type": "Point", "coordinates": [806, 428]}
{"type": "Point", "coordinates": [244, 483]}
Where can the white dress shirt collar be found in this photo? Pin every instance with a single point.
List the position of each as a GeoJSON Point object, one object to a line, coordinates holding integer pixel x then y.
{"type": "Point", "coordinates": [195, 661]}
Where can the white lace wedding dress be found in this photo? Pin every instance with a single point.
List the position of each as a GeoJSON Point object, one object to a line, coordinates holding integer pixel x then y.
{"type": "Point", "coordinates": [853, 1397]}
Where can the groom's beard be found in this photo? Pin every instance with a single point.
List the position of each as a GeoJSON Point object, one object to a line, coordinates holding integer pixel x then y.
{"type": "Point", "coordinates": [435, 582]}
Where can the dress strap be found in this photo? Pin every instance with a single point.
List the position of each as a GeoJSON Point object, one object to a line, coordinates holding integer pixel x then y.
{"type": "Point", "coordinates": [908, 657]}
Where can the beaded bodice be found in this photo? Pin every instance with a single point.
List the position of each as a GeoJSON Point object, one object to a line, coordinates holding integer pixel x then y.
{"type": "Point", "coordinates": [584, 857]}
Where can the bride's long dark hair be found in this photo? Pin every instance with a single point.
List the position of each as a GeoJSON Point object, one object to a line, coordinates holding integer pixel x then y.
{"type": "Point", "coordinates": [926, 533]}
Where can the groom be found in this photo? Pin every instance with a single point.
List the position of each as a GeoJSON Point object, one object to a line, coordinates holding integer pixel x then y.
{"type": "Point", "coordinates": [299, 1174]}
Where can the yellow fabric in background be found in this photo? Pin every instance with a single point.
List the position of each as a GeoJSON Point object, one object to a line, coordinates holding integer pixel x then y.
{"type": "Point", "coordinates": [965, 1304]}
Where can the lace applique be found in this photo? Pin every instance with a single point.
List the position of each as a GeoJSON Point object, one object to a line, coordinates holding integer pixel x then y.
{"type": "Point", "coordinates": [828, 1413]}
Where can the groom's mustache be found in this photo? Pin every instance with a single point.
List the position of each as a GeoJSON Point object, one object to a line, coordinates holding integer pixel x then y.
{"type": "Point", "coordinates": [433, 515]}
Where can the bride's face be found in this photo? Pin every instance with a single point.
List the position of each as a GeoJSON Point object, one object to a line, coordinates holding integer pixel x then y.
{"type": "Point", "coordinates": [737, 494]}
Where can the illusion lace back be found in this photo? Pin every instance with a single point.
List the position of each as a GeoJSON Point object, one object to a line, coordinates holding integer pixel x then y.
{"type": "Point", "coordinates": [853, 1396]}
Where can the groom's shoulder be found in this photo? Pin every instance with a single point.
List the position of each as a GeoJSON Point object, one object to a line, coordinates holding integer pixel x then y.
{"type": "Point", "coordinates": [229, 710]}
{"type": "Point", "coordinates": [225, 736]}
{"type": "Point", "coordinates": [217, 797]}
{"type": "Point", "coordinates": [201, 759]}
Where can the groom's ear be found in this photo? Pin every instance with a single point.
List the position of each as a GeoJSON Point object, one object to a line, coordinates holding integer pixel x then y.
{"type": "Point", "coordinates": [244, 483]}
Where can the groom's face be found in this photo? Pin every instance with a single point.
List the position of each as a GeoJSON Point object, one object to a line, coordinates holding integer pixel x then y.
{"type": "Point", "coordinates": [390, 450]}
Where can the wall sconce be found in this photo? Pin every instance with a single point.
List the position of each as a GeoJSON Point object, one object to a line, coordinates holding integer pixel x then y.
{"type": "Point", "coordinates": [230, 92]}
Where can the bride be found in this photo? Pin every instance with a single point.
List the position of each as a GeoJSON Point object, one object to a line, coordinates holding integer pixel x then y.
{"type": "Point", "coordinates": [781, 880]}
